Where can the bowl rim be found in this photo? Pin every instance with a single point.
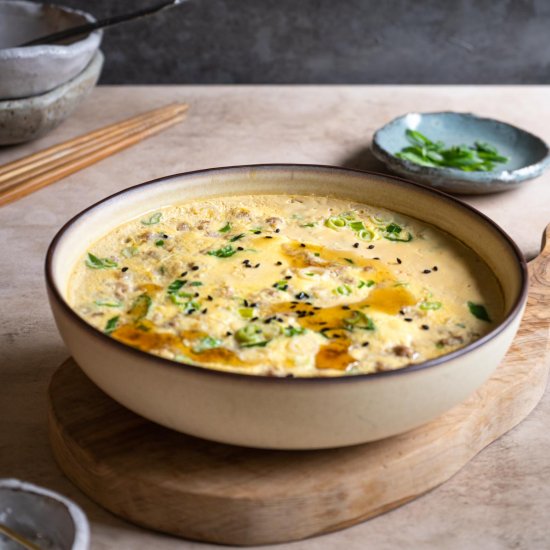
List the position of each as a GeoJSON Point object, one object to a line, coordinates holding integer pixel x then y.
{"type": "Point", "coordinates": [516, 308]}
{"type": "Point", "coordinates": [503, 176]}
{"type": "Point", "coordinates": [90, 40]}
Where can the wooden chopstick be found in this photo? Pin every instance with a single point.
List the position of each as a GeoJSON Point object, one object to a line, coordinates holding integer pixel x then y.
{"type": "Point", "coordinates": [36, 168]}
{"type": "Point", "coordinates": [57, 151]}
{"type": "Point", "coordinates": [16, 537]}
{"type": "Point", "coordinates": [23, 176]}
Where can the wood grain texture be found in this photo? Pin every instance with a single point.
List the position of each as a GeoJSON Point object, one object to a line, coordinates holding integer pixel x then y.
{"type": "Point", "coordinates": [200, 490]}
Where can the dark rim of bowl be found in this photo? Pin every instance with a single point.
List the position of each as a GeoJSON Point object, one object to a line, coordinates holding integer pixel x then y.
{"type": "Point", "coordinates": [417, 169]}
{"type": "Point", "coordinates": [209, 371]}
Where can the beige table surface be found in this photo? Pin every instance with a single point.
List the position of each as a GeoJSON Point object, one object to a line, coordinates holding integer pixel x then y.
{"type": "Point", "coordinates": [500, 500]}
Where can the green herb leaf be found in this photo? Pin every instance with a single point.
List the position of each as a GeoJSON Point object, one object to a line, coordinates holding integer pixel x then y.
{"type": "Point", "coordinates": [153, 220]}
{"type": "Point", "coordinates": [225, 228]}
{"type": "Point", "coordinates": [426, 306]}
{"type": "Point", "coordinates": [94, 262]}
{"type": "Point", "coordinates": [368, 283]}
{"type": "Point", "coordinates": [111, 324]}
{"type": "Point", "coordinates": [195, 283]}
{"type": "Point", "coordinates": [293, 331]}
{"type": "Point", "coordinates": [236, 237]}
{"type": "Point", "coordinates": [160, 242]}
{"type": "Point", "coordinates": [206, 343]}
{"type": "Point", "coordinates": [251, 336]}
{"type": "Point", "coordinates": [130, 251]}
{"type": "Point", "coordinates": [359, 320]}
{"type": "Point", "coordinates": [349, 260]}
{"type": "Point", "coordinates": [311, 224]}
{"type": "Point", "coordinates": [174, 286]}
{"type": "Point", "coordinates": [479, 311]}
{"type": "Point", "coordinates": [224, 252]}
{"type": "Point", "coordinates": [140, 307]}
{"type": "Point", "coordinates": [281, 285]}
{"type": "Point", "coordinates": [108, 303]}
{"type": "Point", "coordinates": [344, 290]}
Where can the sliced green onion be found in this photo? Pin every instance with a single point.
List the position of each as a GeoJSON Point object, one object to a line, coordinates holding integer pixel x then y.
{"type": "Point", "coordinates": [153, 220]}
{"type": "Point", "coordinates": [140, 307]}
{"type": "Point", "coordinates": [251, 336]}
{"type": "Point", "coordinates": [335, 222]}
{"type": "Point", "coordinates": [94, 262]}
{"type": "Point", "coordinates": [206, 343]}
{"type": "Point", "coordinates": [225, 228]}
{"type": "Point", "coordinates": [426, 306]}
{"type": "Point", "coordinates": [344, 290]}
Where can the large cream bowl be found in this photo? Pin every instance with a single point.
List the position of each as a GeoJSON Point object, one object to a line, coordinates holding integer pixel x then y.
{"type": "Point", "coordinates": [285, 413]}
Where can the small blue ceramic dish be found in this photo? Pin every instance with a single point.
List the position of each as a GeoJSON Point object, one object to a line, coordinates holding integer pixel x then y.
{"type": "Point", "coordinates": [528, 155]}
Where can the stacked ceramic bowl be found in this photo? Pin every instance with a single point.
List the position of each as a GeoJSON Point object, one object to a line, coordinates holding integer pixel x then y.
{"type": "Point", "coordinates": [41, 85]}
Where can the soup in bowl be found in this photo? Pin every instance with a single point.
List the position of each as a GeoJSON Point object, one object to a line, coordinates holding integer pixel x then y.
{"type": "Point", "coordinates": [286, 306]}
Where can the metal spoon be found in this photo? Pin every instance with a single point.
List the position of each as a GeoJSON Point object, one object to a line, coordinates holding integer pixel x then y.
{"type": "Point", "coordinates": [101, 24]}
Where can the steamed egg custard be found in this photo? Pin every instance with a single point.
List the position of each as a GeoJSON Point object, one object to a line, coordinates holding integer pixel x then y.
{"type": "Point", "coordinates": [286, 286]}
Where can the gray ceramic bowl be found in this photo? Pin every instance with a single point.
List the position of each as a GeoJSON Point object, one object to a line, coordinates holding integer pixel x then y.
{"type": "Point", "coordinates": [27, 119]}
{"type": "Point", "coordinates": [41, 517]}
{"type": "Point", "coordinates": [26, 72]}
{"type": "Point", "coordinates": [528, 155]}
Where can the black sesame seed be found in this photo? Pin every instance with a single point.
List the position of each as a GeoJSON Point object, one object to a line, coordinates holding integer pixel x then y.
{"type": "Point", "coordinates": [279, 319]}
{"type": "Point", "coordinates": [376, 258]}
{"type": "Point", "coordinates": [192, 310]}
{"type": "Point", "coordinates": [268, 237]}
{"type": "Point", "coordinates": [124, 269]}
{"type": "Point", "coordinates": [435, 268]}
{"type": "Point", "coordinates": [245, 303]}
{"type": "Point", "coordinates": [345, 307]}
{"type": "Point", "coordinates": [316, 308]}
{"type": "Point", "coordinates": [165, 236]}
{"type": "Point", "coordinates": [365, 344]}
{"type": "Point", "coordinates": [257, 266]}
{"type": "Point", "coordinates": [356, 245]}
{"type": "Point", "coordinates": [245, 261]}
{"type": "Point", "coordinates": [209, 298]}
{"type": "Point", "coordinates": [370, 247]}
{"type": "Point", "coordinates": [408, 319]}
{"type": "Point", "coordinates": [195, 268]}
{"type": "Point", "coordinates": [196, 294]}
{"type": "Point", "coordinates": [302, 296]}
{"type": "Point", "coordinates": [279, 263]}
{"type": "Point", "coordinates": [427, 271]}
{"type": "Point", "coordinates": [205, 310]}
{"type": "Point", "coordinates": [398, 260]}
{"type": "Point", "coordinates": [401, 312]}
{"type": "Point", "coordinates": [302, 245]}
{"type": "Point", "coordinates": [288, 277]}
{"type": "Point", "coordinates": [425, 327]}
{"type": "Point", "coordinates": [254, 304]}
{"type": "Point", "coordinates": [254, 319]}
{"type": "Point", "coordinates": [184, 274]}
{"type": "Point", "coordinates": [228, 333]}
{"type": "Point", "coordinates": [240, 248]}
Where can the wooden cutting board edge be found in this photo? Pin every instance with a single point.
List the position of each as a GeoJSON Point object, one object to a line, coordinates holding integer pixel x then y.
{"type": "Point", "coordinates": [277, 496]}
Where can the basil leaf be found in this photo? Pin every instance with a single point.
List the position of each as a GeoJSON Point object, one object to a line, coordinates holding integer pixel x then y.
{"type": "Point", "coordinates": [111, 324]}
{"type": "Point", "coordinates": [479, 311]}
{"type": "Point", "coordinates": [224, 252]}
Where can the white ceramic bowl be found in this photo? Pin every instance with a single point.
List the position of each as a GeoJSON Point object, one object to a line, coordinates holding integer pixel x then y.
{"type": "Point", "coordinates": [35, 70]}
{"type": "Point", "coordinates": [286, 413]}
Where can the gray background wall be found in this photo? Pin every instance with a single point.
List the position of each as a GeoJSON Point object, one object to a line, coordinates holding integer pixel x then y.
{"type": "Point", "coordinates": [329, 41]}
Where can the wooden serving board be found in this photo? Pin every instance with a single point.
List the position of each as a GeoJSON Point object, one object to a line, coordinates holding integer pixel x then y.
{"type": "Point", "coordinates": [207, 491]}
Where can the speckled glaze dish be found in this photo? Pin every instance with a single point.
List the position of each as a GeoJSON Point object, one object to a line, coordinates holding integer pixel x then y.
{"type": "Point", "coordinates": [23, 120]}
{"type": "Point", "coordinates": [528, 155]}
{"type": "Point", "coordinates": [34, 70]}
{"type": "Point", "coordinates": [286, 413]}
